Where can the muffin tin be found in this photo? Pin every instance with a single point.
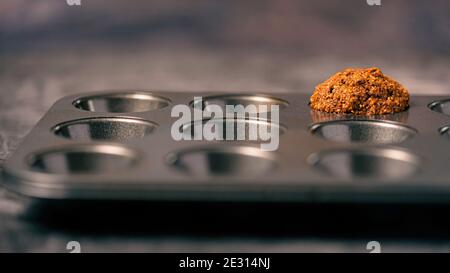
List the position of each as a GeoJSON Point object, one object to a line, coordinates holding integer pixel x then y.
{"type": "Point", "coordinates": [118, 146]}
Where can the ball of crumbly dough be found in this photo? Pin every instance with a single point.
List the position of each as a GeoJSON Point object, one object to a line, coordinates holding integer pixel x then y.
{"type": "Point", "coordinates": [360, 92]}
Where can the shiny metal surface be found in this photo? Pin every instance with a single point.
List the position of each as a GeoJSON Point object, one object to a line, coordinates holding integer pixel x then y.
{"type": "Point", "coordinates": [441, 106]}
{"type": "Point", "coordinates": [118, 129]}
{"type": "Point", "coordinates": [363, 131]}
{"type": "Point", "coordinates": [118, 145]}
{"type": "Point", "coordinates": [235, 161]}
{"type": "Point", "coordinates": [445, 131]}
{"type": "Point", "coordinates": [83, 159]}
{"type": "Point", "coordinates": [232, 129]}
{"type": "Point", "coordinates": [121, 103]}
{"type": "Point", "coordinates": [240, 99]}
{"type": "Point", "coordinates": [366, 163]}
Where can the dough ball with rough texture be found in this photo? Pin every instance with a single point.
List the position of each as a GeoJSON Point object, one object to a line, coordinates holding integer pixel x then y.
{"type": "Point", "coordinates": [360, 91]}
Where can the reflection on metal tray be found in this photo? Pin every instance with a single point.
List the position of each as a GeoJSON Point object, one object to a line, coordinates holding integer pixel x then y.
{"type": "Point", "coordinates": [118, 146]}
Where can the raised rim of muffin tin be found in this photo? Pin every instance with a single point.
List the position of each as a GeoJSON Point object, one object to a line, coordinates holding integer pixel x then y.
{"type": "Point", "coordinates": [355, 131]}
{"type": "Point", "coordinates": [148, 101]}
{"type": "Point", "coordinates": [235, 161]}
{"type": "Point", "coordinates": [360, 163]}
{"type": "Point", "coordinates": [117, 128]}
{"type": "Point", "coordinates": [440, 106]}
{"type": "Point", "coordinates": [445, 131]}
{"type": "Point", "coordinates": [189, 127]}
{"type": "Point", "coordinates": [240, 99]}
{"type": "Point", "coordinates": [99, 156]}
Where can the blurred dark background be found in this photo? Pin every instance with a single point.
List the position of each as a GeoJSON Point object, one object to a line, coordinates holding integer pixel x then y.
{"type": "Point", "coordinates": [53, 49]}
{"type": "Point", "coordinates": [323, 26]}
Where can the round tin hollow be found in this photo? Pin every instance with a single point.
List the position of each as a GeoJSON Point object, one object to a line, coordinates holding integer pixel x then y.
{"type": "Point", "coordinates": [234, 129]}
{"type": "Point", "coordinates": [121, 103]}
{"type": "Point", "coordinates": [259, 101]}
{"type": "Point", "coordinates": [230, 161]}
{"type": "Point", "coordinates": [442, 106]}
{"type": "Point", "coordinates": [445, 131]}
{"type": "Point", "coordinates": [366, 163]}
{"type": "Point", "coordinates": [84, 159]}
{"type": "Point", "coordinates": [363, 131]}
{"type": "Point", "coordinates": [116, 129]}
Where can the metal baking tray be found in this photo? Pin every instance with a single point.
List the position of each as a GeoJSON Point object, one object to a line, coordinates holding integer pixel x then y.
{"type": "Point", "coordinates": [118, 146]}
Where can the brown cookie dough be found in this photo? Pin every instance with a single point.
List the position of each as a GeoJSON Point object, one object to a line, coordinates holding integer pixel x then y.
{"type": "Point", "coordinates": [360, 92]}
